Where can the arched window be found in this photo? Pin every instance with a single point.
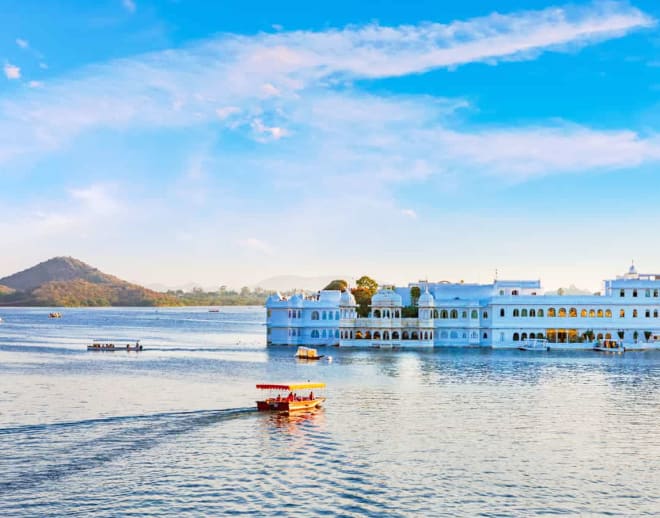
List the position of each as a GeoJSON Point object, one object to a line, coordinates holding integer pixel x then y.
{"type": "Point", "coordinates": [562, 313]}
{"type": "Point", "coordinates": [539, 313]}
{"type": "Point", "coordinates": [532, 336]}
{"type": "Point", "coordinates": [323, 335]}
{"type": "Point", "coordinates": [622, 293]}
{"type": "Point", "coordinates": [426, 335]}
{"type": "Point", "coordinates": [337, 333]}
{"type": "Point", "coordinates": [405, 335]}
{"type": "Point", "coordinates": [516, 312]}
{"type": "Point", "coordinates": [376, 313]}
{"type": "Point", "coordinates": [634, 313]}
{"type": "Point", "coordinates": [572, 312]}
{"type": "Point", "coordinates": [454, 313]}
{"type": "Point", "coordinates": [474, 315]}
{"type": "Point", "coordinates": [532, 312]}
{"type": "Point", "coordinates": [485, 336]}
{"type": "Point", "coordinates": [608, 336]}
{"type": "Point", "coordinates": [634, 293]}
{"type": "Point", "coordinates": [453, 335]}
{"type": "Point", "coordinates": [655, 313]}
{"type": "Point", "coordinates": [583, 313]}
{"type": "Point", "coordinates": [600, 313]}
{"type": "Point", "coordinates": [599, 336]}
{"type": "Point", "coordinates": [608, 313]}
{"type": "Point", "coordinates": [516, 337]}
{"type": "Point", "coordinates": [523, 336]}
{"type": "Point", "coordinates": [473, 334]}
{"type": "Point", "coordinates": [502, 312]}
{"type": "Point", "coordinates": [655, 293]}
{"type": "Point", "coordinates": [386, 335]}
{"type": "Point", "coordinates": [501, 292]}
{"type": "Point", "coordinates": [444, 314]}
{"type": "Point", "coordinates": [395, 335]}
{"type": "Point", "coordinates": [647, 313]}
{"type": "Point", "coordinates": [464, 314]}
{"type": "Point", "coordinates": [523, 312]}
{"type": "Point", "coordinates": [435, 313]}
{"type": "Point", "coordinates": [315, 315]}
{"type": "Point", "coordinates": [325, 316]}
{"type": "Point", "coordinates": [551, 312]}
{"type": "Point", "coordinates": [336, 315]}
{"type": "Point", "coordinates": [514, 292]}
{"type": "Point", "coordinates": [367, 335]}
{"type": "Point", "coordinates": [592, 313]}
{"type": "Point", "coordinates": [299, 313]}
{"type": "Point", "coordinates": [485, 314]}
{"type": "Point", "coordinates": [315, 333]}
{"type": "Point", "coordinates": [622, 313]}
{"type": "Point", "coordinates": [414, 336]}
{"type": "Point", "coordinates": [290, 313]}
{"type": "Point", "coordinates": [376, 335]}
{"type": "Point", "coordinates": [647, 293]}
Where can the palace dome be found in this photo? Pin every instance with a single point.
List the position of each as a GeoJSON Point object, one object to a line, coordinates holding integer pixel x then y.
{"type": "Point", "coordinates": [426, 300]}
{"type": "Point", "coordinates": [347, 299]}
{"type": "Point", "coordinates": [386, 298]}
{"type": "Point", "coordinates": [275, 297]}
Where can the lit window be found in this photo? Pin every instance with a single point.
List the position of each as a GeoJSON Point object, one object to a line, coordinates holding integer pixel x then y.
{"type": "Point", "coordinates": [622, 313]}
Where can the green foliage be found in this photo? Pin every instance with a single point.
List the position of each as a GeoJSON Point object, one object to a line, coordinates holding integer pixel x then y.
{"type": "Point", "coordinates": [223, 297]}
{"type": "Point", "coordinates": [415, 293]}
{"type": "Point", "coordinates": [337, 284]}
{"type": "Point", "coordinates": [363, 300]}
{"type": "Point", "coordinates": [368, 284]}
{"type": "Point", "coordinates": [410, 312]}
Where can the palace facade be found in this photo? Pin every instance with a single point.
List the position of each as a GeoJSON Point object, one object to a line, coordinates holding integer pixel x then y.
{"type": "Point", "coordinates": [500, 314]}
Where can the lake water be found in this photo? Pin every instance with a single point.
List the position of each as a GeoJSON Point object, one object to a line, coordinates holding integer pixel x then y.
{"type": "Point", "coordinates": [172, 430]}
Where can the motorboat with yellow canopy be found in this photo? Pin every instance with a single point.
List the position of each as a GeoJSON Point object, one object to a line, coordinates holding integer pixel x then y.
{"type": "Point", "coordinates": [290, 397]}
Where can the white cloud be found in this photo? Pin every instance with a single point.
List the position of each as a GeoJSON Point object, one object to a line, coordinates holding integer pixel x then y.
{"type": "Point", "coordinates": [283, 84]}
{"type": "Point", "coordinates": [12, 71]}
{"type": "Point", "coordinates": [35, 84]}
{"type": "Point", "coordinates": [96, 198]}
{"type": "Point", "coordinates": [409, 213]}
{"type": "Point", "coordinates": [227, 111]}
{"type": "Point", "coordinates": [129, 5]}
{"type": "Point", "coordinates": [24, 44]}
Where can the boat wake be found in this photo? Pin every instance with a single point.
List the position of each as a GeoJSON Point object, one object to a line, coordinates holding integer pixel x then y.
{"type": "Point", "coordinates": [76, 446]}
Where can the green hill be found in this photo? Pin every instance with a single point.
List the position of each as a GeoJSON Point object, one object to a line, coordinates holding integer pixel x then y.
{"type": "Point", "coordinates": [65, 281]}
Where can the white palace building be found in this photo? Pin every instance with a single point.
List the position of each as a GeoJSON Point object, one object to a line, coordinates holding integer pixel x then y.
{"type": "Point", "coordinates": [501, 314]}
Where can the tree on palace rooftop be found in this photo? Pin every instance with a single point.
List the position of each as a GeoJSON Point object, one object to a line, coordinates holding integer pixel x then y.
{"type": "Point", "coordinates": [365, 289]}
{"type": "Point", "coordinates": [337, 284]}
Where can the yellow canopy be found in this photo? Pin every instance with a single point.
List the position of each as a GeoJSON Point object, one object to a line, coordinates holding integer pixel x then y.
{"type": "Point", "coordinates": [291, 386]}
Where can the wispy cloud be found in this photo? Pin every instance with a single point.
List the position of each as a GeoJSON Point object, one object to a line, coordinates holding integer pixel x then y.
{"type": "Point", "coordinates": [12, 71]}
{"type": "Point", "coordinates": [297, 84]}
{"type": "Point", "coordinates": [409, 213]}
{"type": "Point", "coordinates": [24, 44]}
{"type": "Point", "coordinates": [256, 245]}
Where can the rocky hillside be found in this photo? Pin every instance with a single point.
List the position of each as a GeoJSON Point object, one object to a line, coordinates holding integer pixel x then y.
{"type": "Point", "coordinates": [65, 281]}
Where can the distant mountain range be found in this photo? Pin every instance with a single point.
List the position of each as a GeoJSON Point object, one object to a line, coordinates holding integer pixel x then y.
{"type": "Point", "coordinates": [65, 281]}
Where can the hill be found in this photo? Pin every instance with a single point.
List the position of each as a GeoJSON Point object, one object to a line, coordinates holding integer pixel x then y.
{"type": "Point", "coordinates": [65, 281]}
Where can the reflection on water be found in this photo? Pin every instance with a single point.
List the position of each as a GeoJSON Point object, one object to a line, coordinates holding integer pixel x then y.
{"type": "Point", "coordinates": [173, 430]}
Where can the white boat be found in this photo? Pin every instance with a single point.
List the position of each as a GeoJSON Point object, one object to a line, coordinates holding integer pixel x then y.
{"type": "Point", "coordinates": [307, 353]}
{"type": "Point", "coordinates": [609, 346]}
{"type": "Point", "coordinates": [534, 344]}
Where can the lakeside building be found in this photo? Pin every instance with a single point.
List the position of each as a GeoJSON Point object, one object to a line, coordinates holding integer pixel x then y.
{"type": "Point", "coordinates": [501, 314]}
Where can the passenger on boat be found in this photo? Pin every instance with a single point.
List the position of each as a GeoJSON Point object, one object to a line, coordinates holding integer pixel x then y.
{"type": "Point", "coordinates": [290, 397]}
{"type": "Point", "coordinates": [311, 396]}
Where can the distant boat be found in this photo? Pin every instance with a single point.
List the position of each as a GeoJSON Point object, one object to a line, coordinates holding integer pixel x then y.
{"type": "Point", "coordinates": [307, 353]}
{"type": "Point", "coordinates": [111, 346]}
{"type": "Point", "coordinates": [55, 314]}
{"type": "Point", "coordinates": [214, 310]}
{"type": "Point", "coordinates": [609, 346]}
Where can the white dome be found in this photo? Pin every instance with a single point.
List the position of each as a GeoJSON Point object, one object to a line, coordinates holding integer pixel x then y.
{"type": "Point", "coordinates": [347, 299]}
{"type": "Point", "coordinates": [426, 300]}
{"type": "Point", "coordinates": [296, 300]}
{"type": "Point", "coordinates": [632, 270]}
{"type": "Point", "coordinates": [386, 298]}
{"type": "Point", "coordinates": [275, 297]}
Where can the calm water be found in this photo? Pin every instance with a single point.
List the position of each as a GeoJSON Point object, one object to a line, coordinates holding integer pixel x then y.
{"type": "Point", "coordinates": [172, 430]}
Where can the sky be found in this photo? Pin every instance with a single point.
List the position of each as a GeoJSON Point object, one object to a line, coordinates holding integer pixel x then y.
{"type": "Point", "coordinates": [179, 141]}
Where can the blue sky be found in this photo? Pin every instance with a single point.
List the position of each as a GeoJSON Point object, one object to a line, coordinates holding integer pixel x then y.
{"type": "Point", "coordinates": [222, 143]}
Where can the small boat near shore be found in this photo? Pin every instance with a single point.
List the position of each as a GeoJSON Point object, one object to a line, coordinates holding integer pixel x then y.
{"type": "Point", "coordinates": [534, 344]}
{"type": "Point", "coordinates": [111, 346]}
{"type": "Point", "coordinates": [55, 314]}
{"type": "Point", "coordinates": [609, 346]}
{"type": "Point", "coordinates": [307, 353]}
{"type": "Point", "coordinates": [295, 401]}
